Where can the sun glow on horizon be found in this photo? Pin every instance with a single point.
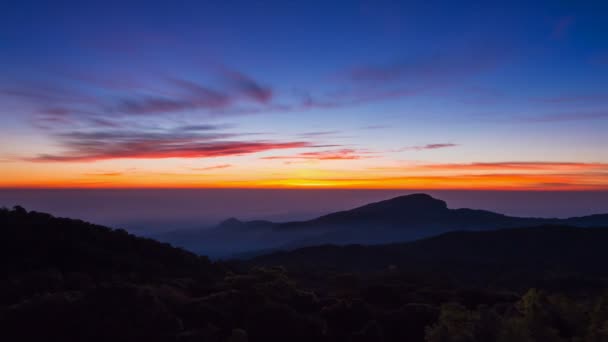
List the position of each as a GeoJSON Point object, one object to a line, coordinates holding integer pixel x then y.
{"type": "Point", "coordinates": [480, 176]}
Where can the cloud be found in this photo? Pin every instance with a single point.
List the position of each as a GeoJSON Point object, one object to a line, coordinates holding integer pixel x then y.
{"type": "Point", "coordinates": [154, 105]}
{"type": "Point", "coordinates": [195, 128]}
{"type": "Point", "coordinates": [105, 174]}
{"type": "Point", "coordinates": [213, 167]}
{"type": "Point", "coordinates": [97, 122]}
{"type": "Point", "coordinates": [427, 147]}
{"type": "Point", "coordinates": [351, 97]}
{"type": "Point", "coordinates": [431, 69]}
{"type": "Point", "coordinates": [101, 100]}
{"type": "Point", "coordinates": [580, 98]}
{"type": "Point", "coordinates": [410, 76]}
{"type": "Point", "coordinates": [318, 133]}
{"type": "Point", "coordinates": [56, 111]}
{"type": "Point", "coordinates": [342, 154]}
{"type": "Point", "coordinates": [518, 165]}
{"type": "Point", "coordinates": [572, 116]}
{"type": "Point", "coordinates": [532, 175]}
{"type": "Point", "coordinates": [374, 127]}
{"type": "Point", "coordinates": [249, 87]}
{"type": "Point", "coordinates": [494, 181]}
{"type": "Point", "coordinates": [119, 144]}
{"type": "Point", "coordinates": [48, 95]}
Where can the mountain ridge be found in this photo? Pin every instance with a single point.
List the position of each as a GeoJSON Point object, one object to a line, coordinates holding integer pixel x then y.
{"type": "Point", "coordinates": [403, 218]}
{"type": "Point", "coordinates": [550, 249]}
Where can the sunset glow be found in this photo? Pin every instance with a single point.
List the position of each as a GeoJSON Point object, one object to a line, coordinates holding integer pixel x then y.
{"type": "Point", "coordinates": [354, 97]}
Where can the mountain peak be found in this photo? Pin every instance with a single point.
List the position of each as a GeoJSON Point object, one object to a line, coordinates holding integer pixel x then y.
{"type": "Point", "coordinates": [420, 196]}
{"type": "Point", "coordinates": [411, 203]}
{"type": "Point", "coordinates": [230, 223]}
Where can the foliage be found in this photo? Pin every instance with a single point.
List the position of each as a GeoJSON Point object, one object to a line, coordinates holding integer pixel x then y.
{"type": "Point", "coordinates": [73, 281]}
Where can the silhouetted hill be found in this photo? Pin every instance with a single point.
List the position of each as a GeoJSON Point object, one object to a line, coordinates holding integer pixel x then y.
{"type": "Point", "coordinates": [423, 211]}
{"type": "Point", "coordinates": [68, 280]}
{"type": "Point", "coordinates": [36, 241]}
{"type": "Point", "coordinates": [400, 219]}
{"type": "Point", "coordinates": [556, 250]}
{"type": "Point", "coordinates": [409, 209]}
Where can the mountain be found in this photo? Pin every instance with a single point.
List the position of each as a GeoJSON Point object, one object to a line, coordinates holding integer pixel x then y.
{"type": "Point", "coordinates": [33, 241]}
{"type": "Point", "coordinates": [69, 280]}
{"type": "Point", "coordinates": [229, 237]}
{"type": "Point", "coordinates": [403, 218]}
{"type": "Point", "coordinates": [423, 211]}
{"type": "Point", "coordinates": [517, 254]}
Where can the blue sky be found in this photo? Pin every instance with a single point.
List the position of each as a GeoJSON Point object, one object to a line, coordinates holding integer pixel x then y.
{"type": "Point", "coordinates": [304, 93]}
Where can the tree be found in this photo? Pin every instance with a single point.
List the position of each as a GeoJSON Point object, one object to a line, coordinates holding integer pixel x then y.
{"type": "Point", "coordinates": [456, 324]}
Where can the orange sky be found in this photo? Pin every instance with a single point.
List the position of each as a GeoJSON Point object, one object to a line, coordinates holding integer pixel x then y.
{"type": "Point", "coordinates": [321, 173]}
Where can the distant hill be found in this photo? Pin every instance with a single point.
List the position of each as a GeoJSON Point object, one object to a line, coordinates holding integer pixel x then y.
{"type": "Point", "coordinates": [423, 211]}
{"type": "Point", "coordinates": [535, 252]}
{"type": "Point", "coordinates": [400, 219]}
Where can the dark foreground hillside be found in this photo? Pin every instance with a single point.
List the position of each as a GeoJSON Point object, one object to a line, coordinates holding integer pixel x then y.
{"type": "Point", "coordinates": [67, 280]}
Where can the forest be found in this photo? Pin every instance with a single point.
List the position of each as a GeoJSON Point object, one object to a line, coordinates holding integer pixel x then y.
{"type": "Point", "coordinates": [70, 280]}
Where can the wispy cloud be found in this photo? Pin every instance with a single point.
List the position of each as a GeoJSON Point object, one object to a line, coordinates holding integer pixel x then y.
{"type": "Point", "coordinates": [195, 97]}
{"type": "Point", "coordinates": [497, 181]}
{"type": "Point", "coordinates": [374, 127]}
{"type": "Point", "coordinates": [213, 167]}
{"type": "Point", "coordinates": [531, 175]}
{"type": "Point", "coordinates": [318, 133]}
{"type": "Point", "coordinates": [249, 87]}
{"type": "Point", "coordinates": [428, 147]}
{"type": "Point", "coordinates": [576, 98]}
{"type": "Point", "coordinates": [517, 165]}
{"type": "Point", "coordinates": [104, 174]}
{"type": "Point", "coordinates": [569, 116]}
{"type": "Point", "coordinates": [441, 66]}
{"type": "Point", "coordinates": [102, 101]}
{"type": "Point", "coordinates": [342, 154]}
{"type": "Point", "coordinates": [118, 144]}
{"type": "Point", "coordinates": [93, 100]}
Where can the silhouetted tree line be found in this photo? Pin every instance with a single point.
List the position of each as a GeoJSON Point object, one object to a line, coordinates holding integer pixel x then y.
{"type": "Point", "coordinates": [68, 280]}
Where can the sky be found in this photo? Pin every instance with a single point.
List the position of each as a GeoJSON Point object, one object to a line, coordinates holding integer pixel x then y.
{"type": "Point", "coordinates": [304, 94]}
